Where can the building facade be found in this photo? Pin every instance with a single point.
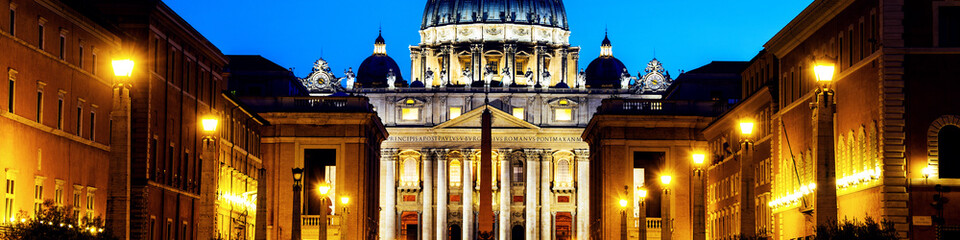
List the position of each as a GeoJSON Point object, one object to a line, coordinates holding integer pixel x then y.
{"type": "Point", "coordinates": [55, 119]}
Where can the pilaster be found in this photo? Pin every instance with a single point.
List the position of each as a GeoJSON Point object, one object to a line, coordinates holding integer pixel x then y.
{"type": "Point", "coordinates": [546, 197]}
{"type": "Point", "coordinates": [427, 195]}
{"type": "Point", "coordinates": [388, 215]}
{"type": "Point", "coordinates": [583, 193]}
{"type": "Point", "coordinates": [533, 189]}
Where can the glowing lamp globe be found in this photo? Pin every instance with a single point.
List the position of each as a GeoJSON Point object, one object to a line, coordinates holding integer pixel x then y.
{"type": "Point", "coordinates": [345, 200]}
{"type": "Point", "coordinates": [623, 203]}
{"type": "Point", "coordinates": [698, 158]}
{"type": "Point", "coordinates": [665, 179]}
{"type": "Point", "coordinates": [642, 193]}
{"type": "Point", "coordinates": [746, 127]}
{"type": "Point", "coordinates": [824, 73]}
{"type": "Point", "coordinates": [209, 124]}
{"type": "Point", "coordinates": [324, 189]}
{"type": "Point", "coordinates": [123, 67]}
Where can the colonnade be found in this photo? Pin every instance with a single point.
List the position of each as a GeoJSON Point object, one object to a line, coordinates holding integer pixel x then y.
{"type": "Point", "coordinates": [436, 203]}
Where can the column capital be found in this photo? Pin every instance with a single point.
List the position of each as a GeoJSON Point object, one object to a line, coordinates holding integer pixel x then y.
{"type": "Point", "coordinates": [427, 154]}
{"type": "Point", "coordinates": [582, 155]}
{"type": "Point", "coordinates": [440, 154]}
{"type": "Point", "coordinates": [388, 154]}
{"type": "Point", "coordinates": [547, 155]}
{"type": "Point", "coordinates": [532, 154]}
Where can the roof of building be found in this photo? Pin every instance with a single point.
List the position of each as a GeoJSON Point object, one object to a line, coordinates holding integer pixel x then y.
{"type": "Point", "coordinates": [374, 70]}
{"type": "Point", "coordinates": [550, 13]}
{"type": "Point", "coordinates": [718, 80]}
{"type": "Point", "coordinates": [254, 75]}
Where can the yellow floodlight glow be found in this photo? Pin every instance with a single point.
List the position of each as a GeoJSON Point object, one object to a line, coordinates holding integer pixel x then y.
{"type": "Point", "coordinates": [345, 200]}
{"type": "Point", "coordinates": [209, 124]}
{"type": "Point", "coordinates": [928, 171]}
{"type": "Point", "coordinates": [123, 67]}
{"type": "Point", "coordinates": [666, 179]}
{"type": "Point", "coordinates": [623, 203]}
{"type": "Point", "coordinates": [824, 73]}
{"type": "Point", "coordinates": [698, 158]}
{"type": "Point", "coordinates": [746, 127]}
{"type": "Point", "coordinates": [324, 189]}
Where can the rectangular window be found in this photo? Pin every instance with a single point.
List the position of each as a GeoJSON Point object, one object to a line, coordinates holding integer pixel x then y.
{"type": "Point", "coordinates": [39, 106]}
{"type": "Point", "coordinates": [949, 26]}
{"type": "Point", "coordinates": [13, 22]}
{"type": "Point", "coordinates": [455, 112]}
{"type": "Point", "coordinates": [93, 118]}
{"type": "Point", "coordinates": [38, 196]}
{"type": "Point", "coordinates": [8, 206]}
{"type": "Point", "coordinates": [60, 114]}
{"type": "Point", "coordinates": [77, 189]}
{"type": "Point", "coordinates": [90, 204]}
{"type": "Point", "coordinates": [63, 47]}
{"type": "Point", "coordinates": [410, 114]}
{"type": "Point", "coordinates": [80, 57]}
{"type": "Point", "coordinates": [93, 63]}
{"type": "Point", "coordinates": [11, 87]}
{"type": "Point", "coordinates": [58, 194]}
{"type": "Point", "coordinates": [79, 120]}
{"type": "Point", "coordinates": [40, 37]}
{"type": "Point", "coordinates": [563, 114]}
{"type": "Point", "coordinates": [850, 47]}
{"type": "Point", "coordinates": [518, 113]}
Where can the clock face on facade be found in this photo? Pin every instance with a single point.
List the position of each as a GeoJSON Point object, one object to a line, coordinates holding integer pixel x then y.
{"type": "Point", "coordinates": [655, 81]}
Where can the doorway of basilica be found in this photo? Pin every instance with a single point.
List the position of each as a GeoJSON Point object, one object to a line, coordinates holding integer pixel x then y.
{"type": "Point", "coordinates": [564, 223]}
{"type": "Point", "coordinates": [409, 225]}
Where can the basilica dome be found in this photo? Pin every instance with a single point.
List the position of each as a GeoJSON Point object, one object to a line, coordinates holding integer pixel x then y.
{"type": "Point", "coordinates": [548, 13]}
{"type": "Point", "coordinates": [606, 71]}
{"type": "Point", "coordinates": [376, 70]}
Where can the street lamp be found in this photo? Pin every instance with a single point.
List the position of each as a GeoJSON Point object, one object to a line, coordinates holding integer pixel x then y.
{"type": "Point", "coordinates": [345, 211]}
{"type": "Point", "coordinates": [297, 177]}
{"type": "Point", "coordinates": [823, 111]}
{"type": "Point", "coordinates": [209, 178]}
{"type": "Point", "coordinates": [120, 160]}
{"type": "Point", "coordinates": [699, 209]}
{"type": "Point", "coordinates": [323, 189]}
{"type": "Point", "coordinates": [642, 209]}
{"type": "Point", "coordinates": [209, 124]}
{"type": "Point", "coordinates": [747, 219]}
{"type": "Point", "coordinates": [746, 128]}
{"type": "Point", "coordinates": [623, 213]}
{"type": "Point", "coordinates": [123, 67]}
{"type": "Point", "coordinates": [666, 222]}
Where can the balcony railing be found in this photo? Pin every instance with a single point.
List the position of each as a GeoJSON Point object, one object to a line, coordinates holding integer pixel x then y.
{"type": "Point", "coordinates": [309, 104]}
{"type": "Point", "coordinates": [619, 106]}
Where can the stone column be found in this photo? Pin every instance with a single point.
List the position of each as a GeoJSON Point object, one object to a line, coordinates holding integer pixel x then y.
{"type": "Point", "coordinates": [504, 224]}
{"type": "Point", "coordinates": [546, 197]}
{"type": "Point", "coordinates": [533, 189]}
{"type": "Point", "coordinates": [442, 181]}
{"type": "Point", "coordinates": [510, 60]}
{"type": "Point", "coordinates": [388, 218]}
{"type": "Point", "coordinates": [468, 223]}
{"type": "Point", "coordinates": [427, 195]}
{"type": "Point", "coordinates": [825, 206]}
{"type": "Point", "coordinates": [747, 220]}
{"type": "Point", "coordinates": [208, 189]}
{"type": "Point", "coordinates": [666, 220]}
{"type": "Point", "coordinates": [118, 179]}
{"type": "Point", "coordinates": [476, 56]}
{"type": "Point", "coordinates": [583, 193]}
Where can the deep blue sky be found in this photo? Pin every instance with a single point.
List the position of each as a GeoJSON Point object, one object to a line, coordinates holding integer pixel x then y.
{"type": "Point", "coordinates": [684, 34]}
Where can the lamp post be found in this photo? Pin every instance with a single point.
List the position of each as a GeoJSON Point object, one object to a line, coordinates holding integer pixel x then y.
{"type": "Point", "coordinates": [642, 218]}
{"type": "Point", "coordinates": [747, 213]}
{"type": "Point", "coordinates": [623, 217]}
{"type": "Point", "coordinates": [323, 189]}
{"type": "Point", "coordinates": [297, 176]}
{"type": "Point", "coordinates": [208, 179]}
{"type": "Point", "coordinates": [699, 209]}
{"type": "Point", "coordinates": [825, 206]}
{"type": "Point", "coordinates": [666, 220]}
{"type": "Point", "coordinates": [118, 199]}
{"type": "Point", "coordinates": [345, 211]}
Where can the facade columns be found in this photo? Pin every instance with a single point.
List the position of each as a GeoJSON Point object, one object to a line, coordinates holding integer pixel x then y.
{"type": "Point", "coordinates": [442, 181]}
{"type": "Point", "coordinates": [532, 199]}
{"type": "Point", "coordinates": [546, 177]}
{"type": "Point", "coordinates": [504, 221]}
{"type": "Point", "coordinates": [426, 225]}
{"type": "Point", "coordinates": [583, 193]}
{"type": "Point", "coordinates": [476, 59]}
{"type": "Point", "coordinates": [510, 61]}
{"type": "Point", "coordinates": [388, 218]}
{"type": "Point", "coordinates": [468, 218]}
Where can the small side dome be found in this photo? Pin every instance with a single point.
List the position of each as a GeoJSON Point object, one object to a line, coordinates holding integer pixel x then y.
{"type": "Point", "coordinates": [376, 70]}
{"type": "Point", "coordinates": [606, 71]}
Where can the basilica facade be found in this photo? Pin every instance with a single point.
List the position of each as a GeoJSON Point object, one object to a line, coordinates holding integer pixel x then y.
{"type": "Point", "coordinates": [514, 58]}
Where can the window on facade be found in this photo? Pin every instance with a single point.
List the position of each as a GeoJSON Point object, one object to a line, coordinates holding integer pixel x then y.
{"type": "Point", "coordinates": [77, 189]}
{"type": "Point", "coordinates": [80, 57]}
{"type": "Point", "coordinates": [563, 114]}
{"type": "Point", "coordinates": [517, 172]}
{"type": "Point", "coordinates": [949, 24]}
{"type": "Point", "coordinates": [93, 62]}
{"type": "Point", "coordinates": [13, 21]}
{"type": "Point", "coordinates": [518, 113]}
{"type": "Point", "coordinates": [38, 195]}
{"type": "Point", "coordinates": [456, 173]}
{"type": "Point", "coordinates": [410, 174]}
{"type": "Point", "coordinates": [39, 105]}
{"type": "Point", "coordinates": [93, 117]}
{"type": "Point", "coordinates": [79, 119]}
{"type": "Point", "coordinates": [10, 87]}
{"type": "Point", "coordinates": [8, 206]}
{"type": "Point", "coordinates": [90, 205]}
{"type": "Point", "coordinates": [58, 194]}
{"type": "Point", "coordinates": [60, 114]}
{"type": "Point", "coordinates": [948, 145]}
{"type": "Point", "coordinates": [455, 112]}
{"type": "Point", "coordinates": [40, 37]}
{"type": "Point", "coordinates": [563, 176]}
{"type": "Point", "coordinates": [63, 47]}
{"type": "Point", "coordinates": [410, 114]}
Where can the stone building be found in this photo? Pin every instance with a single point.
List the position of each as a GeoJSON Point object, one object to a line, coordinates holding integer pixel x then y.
{"type": "Point", "coordinates": [55, 114]}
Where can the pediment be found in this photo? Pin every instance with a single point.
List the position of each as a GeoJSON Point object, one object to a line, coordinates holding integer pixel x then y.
{"type": "Point", "coordinates": [501, 120]}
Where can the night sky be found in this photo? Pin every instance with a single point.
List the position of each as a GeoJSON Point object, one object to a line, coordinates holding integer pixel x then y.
{"type": "Point", "coordinates": [683, 34]}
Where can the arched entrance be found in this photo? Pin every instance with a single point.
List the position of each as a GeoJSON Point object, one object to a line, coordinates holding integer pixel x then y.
{"type": "Point", "coordinates": [455, 232]}
{"type": "Point", "coordinates": [517, 233]}
{"type": "Point", "coordinates": [409, 225]}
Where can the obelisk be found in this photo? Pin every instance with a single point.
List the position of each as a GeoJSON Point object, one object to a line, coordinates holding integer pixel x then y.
{"type": "Point", "coordinates": [485, 215]}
